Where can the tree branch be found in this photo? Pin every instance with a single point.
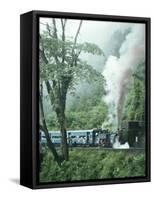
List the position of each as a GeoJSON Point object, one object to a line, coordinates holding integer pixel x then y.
{"type": "Point", "coordinates": [42, 53]}
{"type": "Point", "coordinates": [63, 40]}
{"type": "Point", "coordinates": [75, 41]}
{"type": "Point", "coordinates": [77, 33]}
{"type": "Point", "coordinates": [49, 88]}
{"type": "Point", "coordinates": [56, 37]}
{"type": "Point", "coordinates": [63, 23]}
{"type": "Point", "coordinates": [50, 92]}
{"type": "Point", "coordinates": [49, 29]}
{"type": "Point", "coordinates": [54, 28]}
{"type": "Point", "coordinates": [46, 132]}
{"type": "Point", "coordinates": [43, 56]}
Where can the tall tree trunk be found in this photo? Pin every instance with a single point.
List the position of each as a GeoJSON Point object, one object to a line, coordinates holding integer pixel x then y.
{"type": "Point", "coordinates": [64, 144]}
{"type": "Point", "coordinates": [58, 101]}
{"type": "Point", "coordinates": [62, 122]}
{"type": "Point", "coordinates": [44, 128]}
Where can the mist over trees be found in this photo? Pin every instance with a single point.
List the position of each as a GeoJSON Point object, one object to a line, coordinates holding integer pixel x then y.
{"type": "Point", "coordinates": [135, 101]}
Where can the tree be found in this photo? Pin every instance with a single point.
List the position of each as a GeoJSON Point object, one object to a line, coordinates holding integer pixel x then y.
{"type": "Point", "coordinates": [87, 110]}
{"type": "Point", "coordinates": [135, 102]}
{"type": "Point", "coordinates": [61, 68]}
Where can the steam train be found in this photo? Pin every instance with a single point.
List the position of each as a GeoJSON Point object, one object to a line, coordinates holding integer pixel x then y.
{"type": "Point", "coordinates": [75, 138]}
{"type": "Point", "coordinates": [131, 131]}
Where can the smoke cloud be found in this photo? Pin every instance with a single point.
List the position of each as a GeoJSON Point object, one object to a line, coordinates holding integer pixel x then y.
{"type": "Point", "coordinates": [118, 70]}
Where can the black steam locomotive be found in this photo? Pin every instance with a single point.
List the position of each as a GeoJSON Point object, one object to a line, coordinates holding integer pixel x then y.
{"type": "Point", "coordinates": [133, 132]}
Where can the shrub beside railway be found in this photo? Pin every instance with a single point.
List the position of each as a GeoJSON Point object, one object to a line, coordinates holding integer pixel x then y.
{"type": "Point", "coordinates": [93, 164]}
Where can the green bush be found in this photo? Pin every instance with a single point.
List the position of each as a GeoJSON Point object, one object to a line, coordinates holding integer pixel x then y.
{"type": "Point", "coordinates": [93, 164]}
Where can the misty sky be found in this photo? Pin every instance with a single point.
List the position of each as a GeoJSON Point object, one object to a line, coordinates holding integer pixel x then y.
{"type": "Point", "coordinates": [107, 35]}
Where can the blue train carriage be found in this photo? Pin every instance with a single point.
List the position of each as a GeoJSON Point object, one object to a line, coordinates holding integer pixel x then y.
{"type": "Point", "coordinates": [79, 137]}
{"type": "Point", "coordinates": [74, 137]}
{"type": "Point", "coordinates": [54, 135]}
{"type": "Point", "coordinates": [92, 138]}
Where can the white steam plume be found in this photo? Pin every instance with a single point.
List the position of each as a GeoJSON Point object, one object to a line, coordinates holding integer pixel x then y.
{"type": "Point", "coordinates": [118, 71]}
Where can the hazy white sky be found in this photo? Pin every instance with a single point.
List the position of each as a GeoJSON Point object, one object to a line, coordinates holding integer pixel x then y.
{"type": "Point", "coordinates": [97, 32]}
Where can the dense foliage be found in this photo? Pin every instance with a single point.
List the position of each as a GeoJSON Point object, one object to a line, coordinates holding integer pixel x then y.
{"type": "Point", "coordinates": [135, 103]}
{"type": "Point", "coordinates": [93, 164]}
{"type": "Point", "coordinates": [85, 110]}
